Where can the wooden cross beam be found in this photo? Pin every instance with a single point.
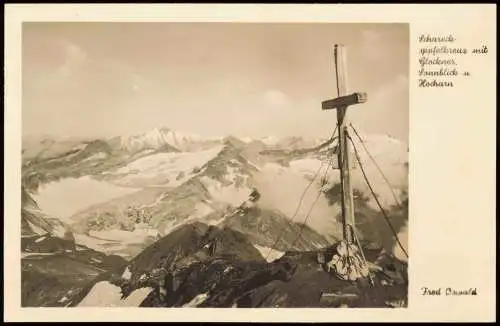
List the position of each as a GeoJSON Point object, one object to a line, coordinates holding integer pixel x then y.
{"type": "Point", "coordinates": [344, 101]}
{"type": "Point", "coordinates": [341, 103]}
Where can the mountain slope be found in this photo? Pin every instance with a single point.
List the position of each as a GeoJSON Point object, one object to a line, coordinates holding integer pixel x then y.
{"type": "Point", "coordinates": [50, 279]}
{"type": "Point", "coordinates": [35, 222]}
{"type": "Point", "coordinates": [220, 181]}
{"type": "Point", "coordinates": [180, 270]}
{"type": "Point", "coordinates": [272, 229]}
{"type": "Point", "coordinates": [175, 253]}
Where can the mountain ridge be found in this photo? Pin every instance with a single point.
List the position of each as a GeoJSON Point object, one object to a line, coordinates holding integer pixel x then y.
{"type": "Point", "coordinates": [245, 190]}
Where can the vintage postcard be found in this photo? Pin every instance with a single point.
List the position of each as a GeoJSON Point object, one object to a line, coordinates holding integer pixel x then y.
{"type": "Point", "coordinates": [316, 160]}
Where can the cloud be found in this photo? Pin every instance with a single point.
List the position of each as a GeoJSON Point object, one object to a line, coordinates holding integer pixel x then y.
{"type": "Point", "coordinates": [74, 56]}
{"type": "Point", "coordinates": [275, 99]}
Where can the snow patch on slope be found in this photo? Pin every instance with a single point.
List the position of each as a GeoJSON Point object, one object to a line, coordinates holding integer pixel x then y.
{"type": "Point", "coordinates": [30, 254]}
{"type": "Point", "coordinates": [102, 294]}
{"type": "Point", "coordinates": [40, 239]}
{"type": "Point", "coordinates": [196, 301]}
{"type": "Point", "coordinates": [127, 275]}
{"type": "Point", "coordinates": [36, 229]}
{"type": "Point", "coordinates": [403, 237]}
{"type": "Point", "coordinates": [105, 294]}
{"type": "Point", "coordinates": [269, 253]}
{"type": "Point", "coordinates": [98, 156]}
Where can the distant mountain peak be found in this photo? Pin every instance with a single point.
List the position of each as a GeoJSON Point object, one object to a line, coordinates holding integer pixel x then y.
{"type": "Point", "coordinates": [161, 136]}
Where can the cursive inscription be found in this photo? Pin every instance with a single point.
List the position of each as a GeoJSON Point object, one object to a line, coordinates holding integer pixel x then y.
{"type": "Point", "coordinates": [439, 57]}
{"type": "Point", "coordinates": [447, 291]}
{"type": "Point", "coordinates": [427, 291]}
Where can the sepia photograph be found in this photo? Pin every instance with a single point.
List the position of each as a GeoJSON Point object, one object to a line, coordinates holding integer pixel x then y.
{"type": "Point", "coordinates": [215, 164]}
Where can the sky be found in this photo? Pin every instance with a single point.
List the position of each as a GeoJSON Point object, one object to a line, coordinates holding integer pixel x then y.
{"type": "Point", "coordinates": [211, 79]}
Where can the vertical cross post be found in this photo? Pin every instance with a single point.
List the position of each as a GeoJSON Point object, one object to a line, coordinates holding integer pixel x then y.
{"type": "Point", "coordinates": [341, 103]}
{"type": "Point", "coordinates": [343, 153]}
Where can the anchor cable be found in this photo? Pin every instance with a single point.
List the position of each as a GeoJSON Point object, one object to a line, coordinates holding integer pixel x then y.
{"type": "Point", "coordinates": [377, 166]}
{"type": "Point", "coordinates": [376, 198]}
{"type": "Point", "coordinates": [273, 247]}
{"type": "Point", "coordinates": [299, 235]}
{"type": "Point", "coordinates": [355, 235]}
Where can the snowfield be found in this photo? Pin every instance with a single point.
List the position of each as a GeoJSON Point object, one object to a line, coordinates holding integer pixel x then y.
{"type": "Point", "coordinates": [163, 169]}
{"type": "Point", "coordinates": [136, 236]}
{"type": "Point", "coordinates": [64, 198]}
{"type": "Point", "coordinates": [117, 242]}
{"type": "Point", "coordinates": [101, 245]}
{"type": "Point", "coordinates": [126, 247]}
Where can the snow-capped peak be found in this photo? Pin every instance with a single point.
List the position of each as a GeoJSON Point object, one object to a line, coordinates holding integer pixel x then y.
{"type": "Point", "coordinates": [158, 137]}
{"type": "Point", "coordinates": [270, 140]}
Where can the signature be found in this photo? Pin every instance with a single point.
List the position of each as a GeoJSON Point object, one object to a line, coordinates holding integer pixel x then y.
{"type": "Point", "coordinates": [447, 291]}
